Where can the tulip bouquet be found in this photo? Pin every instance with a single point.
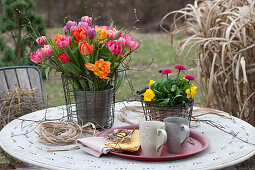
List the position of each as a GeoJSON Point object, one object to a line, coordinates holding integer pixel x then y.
{"type": "Point", "coordinates": [88, 51]}
{"type": "Point", "coordinates": [171, 91]}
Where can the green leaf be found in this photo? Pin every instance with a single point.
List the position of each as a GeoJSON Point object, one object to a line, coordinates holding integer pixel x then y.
{"type": "Point", "coordinates": [165, 101]}
{"type": "Point", "coordinates": [177, 96]}
{"type": "Point", "coordinates": [111, 25]}
{"type": "Point", "coordinates": [97, 34]}
{"type": "Point", "coordinates": [74, 59]}
{"type": "Point", "coordinates": [117, 35]}
{"type": "Point", "coordinates": [178, 91]}
{"type": "Point", "coordinates": [121, 79]}
{"type": "Point", "coordinates": [158, 94]}
{"type": "Point", "coordinates": [47, 73]}
{"type": "Point", "coordinates": [173, 88]}
{"type": "Point", "coordinates": [86, 58]}
{"type": "Point", "coordinates": [72, 68]}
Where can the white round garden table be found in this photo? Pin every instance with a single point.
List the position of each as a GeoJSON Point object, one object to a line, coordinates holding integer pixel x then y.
{"type": "Point", "coordinates": [224, 150]}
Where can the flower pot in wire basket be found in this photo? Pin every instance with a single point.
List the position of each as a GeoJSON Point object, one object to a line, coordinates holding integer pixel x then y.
{"type": "Point", "coordinates": [159, 112]}
{"type": "Point", "coordinates": [95, 106]}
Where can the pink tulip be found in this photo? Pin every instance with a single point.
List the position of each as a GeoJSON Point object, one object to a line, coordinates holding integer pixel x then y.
{"type": "Point", "coordinates": [41, 40]}
{"type": "Point", "coordinates": [122, 41]}
{"type": "Point", "coordinates": [131, 44]}
{"type": "Point", "coordinates": [40, 53]}
{"type": "Point", "coordinates": [64, 41]}
{"type": "Point", "coordinates": [47, 49]}
{"type": "Point", "coordinates": [112, 34]}
{"type": "Point", "coordinates": [86, 19]}
{"type": "Point", "coordinates": [34, 58]}
{"type": "Point", "coordinates": [114, 47]}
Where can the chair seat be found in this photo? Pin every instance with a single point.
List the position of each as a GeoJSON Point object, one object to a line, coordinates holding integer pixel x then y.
{"type": "Point", "coordinates": [21, 77]}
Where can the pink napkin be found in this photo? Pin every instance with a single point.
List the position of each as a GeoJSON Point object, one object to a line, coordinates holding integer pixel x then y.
{"type": "Point", "coordinates": [94, 145]}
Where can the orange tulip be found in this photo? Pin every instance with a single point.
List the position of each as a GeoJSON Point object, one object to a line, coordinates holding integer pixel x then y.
{"type": "Point", "coordinates": [80, 34]}
{"type": "Point", "coordinates": [101, 68]}
{"type": "Point", "coordinates": [85, 48]}
{"type": "Point", "coordinates": [55, 38]}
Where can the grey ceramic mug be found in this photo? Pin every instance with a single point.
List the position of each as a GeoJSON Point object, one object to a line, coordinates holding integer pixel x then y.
{"type": "Point", "coordinates": [177, 129]}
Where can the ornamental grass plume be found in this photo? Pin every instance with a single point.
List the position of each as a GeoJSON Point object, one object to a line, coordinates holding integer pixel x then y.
{"type": "Point", "coordinates": [222, 31]}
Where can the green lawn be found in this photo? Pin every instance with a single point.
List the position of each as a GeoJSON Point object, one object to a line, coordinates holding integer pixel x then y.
{"type": "Point", "coordinates": [155, 48]}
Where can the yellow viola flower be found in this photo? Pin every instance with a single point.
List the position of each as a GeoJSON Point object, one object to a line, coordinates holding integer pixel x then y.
{"type": "Point", "coordinates": [149, 95]}
{"type": "Point", "coordinates": [151, 82]}
{"type": "Point", "coordinates": [183, 78]}
{"type": "Point", "coordinates": [191, 92]}
{"type": "Point", "coordinates": [188, 93]}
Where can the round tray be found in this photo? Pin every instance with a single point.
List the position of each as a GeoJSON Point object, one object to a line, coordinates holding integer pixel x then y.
{"type": "Point", "coordinates": [199, 142]}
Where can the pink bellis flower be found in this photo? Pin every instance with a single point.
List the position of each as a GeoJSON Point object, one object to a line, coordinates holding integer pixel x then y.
{"type": "Point", "coordinates": [47, 50]}
{"type": "Point", "coordinates": [114, 47]}
{"type": "Point", "coordinates": [41, 40]}
{"type": "Point", "coordinates": [165, 71]}
{"type": "Point", "coordinates": [64, 41]}
{"type": "Point", "coordinates": [179, 67]}
{"type": "Point", "coordinates": [190, 77]}
{"type": "Point", "coordinates": [86, 19]}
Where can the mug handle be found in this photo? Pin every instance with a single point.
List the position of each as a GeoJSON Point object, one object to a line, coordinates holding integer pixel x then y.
{"type": "Point", "coordinates": [163, 136]}
{"type": "Point", "coordinates": [186, 132]}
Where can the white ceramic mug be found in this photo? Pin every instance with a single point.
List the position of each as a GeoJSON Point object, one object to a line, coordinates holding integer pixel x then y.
{"type": "Point", "coordinates": [152, 137]}
{"type": "Point", "coordinates": [177, 129]}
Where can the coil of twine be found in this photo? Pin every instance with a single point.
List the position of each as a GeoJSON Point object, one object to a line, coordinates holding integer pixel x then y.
{"type": "Point", "coordinates": [62, 133]}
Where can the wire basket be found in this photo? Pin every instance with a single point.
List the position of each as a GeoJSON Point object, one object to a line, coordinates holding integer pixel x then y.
{"type": "Point", "coordinates": [160, 112]}
{"type": "Point", "coordinates": [89, 106]}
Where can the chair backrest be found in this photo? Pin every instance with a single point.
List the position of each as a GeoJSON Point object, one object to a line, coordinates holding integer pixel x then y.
{"type": "Point", "coordinates": [27, 77]}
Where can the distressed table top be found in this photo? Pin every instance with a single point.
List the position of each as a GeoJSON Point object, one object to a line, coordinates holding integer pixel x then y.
{"type": "Point", "coordinates": [224, 150]}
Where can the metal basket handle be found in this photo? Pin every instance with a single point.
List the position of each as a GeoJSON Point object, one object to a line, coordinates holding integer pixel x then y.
{"type": "Point", "coordinates": [142, 90]}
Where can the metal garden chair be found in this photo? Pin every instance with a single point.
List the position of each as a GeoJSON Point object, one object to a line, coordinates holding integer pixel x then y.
{"type": "Point", "coordinates": [25, 77]}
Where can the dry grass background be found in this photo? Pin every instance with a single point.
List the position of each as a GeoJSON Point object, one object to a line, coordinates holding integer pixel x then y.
{"type": "Point", "coordinates": [224, 33]}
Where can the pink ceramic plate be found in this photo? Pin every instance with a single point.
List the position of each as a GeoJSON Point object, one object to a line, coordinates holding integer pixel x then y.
{"type": "Point", "coordinates": [199, 142]}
